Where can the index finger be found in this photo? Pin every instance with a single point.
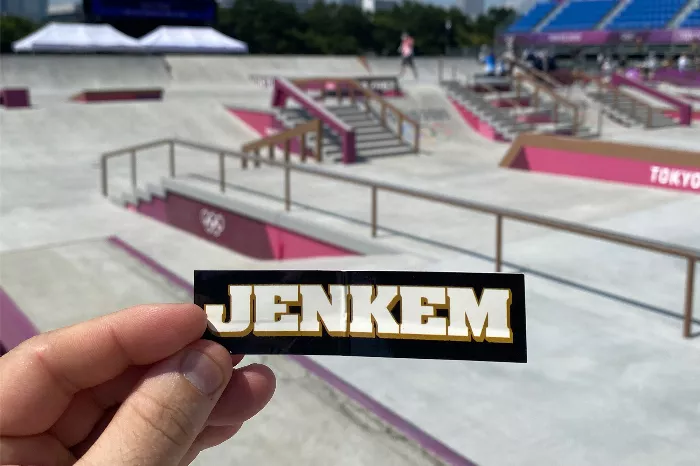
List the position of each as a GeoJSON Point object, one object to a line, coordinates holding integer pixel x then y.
{"type": "Point", "coordinates": [40, 376]}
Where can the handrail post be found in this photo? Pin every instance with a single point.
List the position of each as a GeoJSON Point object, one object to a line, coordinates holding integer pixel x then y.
{"type": "Point", "coordinates": [132, 157]}
{"type": "Point", "coordinates": [286, 150]}
{"type": "Point", "coordinates": [499, 241]}
{"type": "Point", "coordinates": [302, 146]}
{"type": "Point", "coordinates": [222, 172]}
{"type": "Point", "coordinates": [689, 284]}
{"type": "Point", "coordinates": [171, 158]}
{"type": "Point", "coordinates": [400, 126]}
{"type": "Point", "coordinates": [287, 187]}
{"type": "Point", "coordinates": [374, 211]}
{"type": "Point", "coordinates": [416, 137]}
{"type": "Point", "coordinates": [319, 141]}
{"type": "Point", "coordinates": [103, 164]}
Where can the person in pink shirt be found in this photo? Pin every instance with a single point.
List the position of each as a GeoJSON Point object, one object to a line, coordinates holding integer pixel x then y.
{"type": "Point", "coordinates": [406, 51]}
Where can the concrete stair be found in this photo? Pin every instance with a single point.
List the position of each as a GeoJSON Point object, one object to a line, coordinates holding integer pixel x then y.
{"type": "Point", "coordinates": [372, 138]}
{"type": "Point", "coordinates": [505, 120]}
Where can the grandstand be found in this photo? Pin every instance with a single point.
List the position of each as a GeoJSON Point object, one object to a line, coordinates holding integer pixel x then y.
{"type": "Point", "coordinates": [692, 20]}
{"type": "Point", "coordinates": [606, 21]}
{"type": "Point", "coordinates": [580, 15]}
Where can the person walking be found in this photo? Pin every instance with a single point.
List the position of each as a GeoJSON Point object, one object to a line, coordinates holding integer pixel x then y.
{"type": "Point", "coordinates": [406, 51]}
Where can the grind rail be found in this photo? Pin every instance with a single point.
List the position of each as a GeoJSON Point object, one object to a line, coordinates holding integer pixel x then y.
{"type": "Point", "coordinates": [690, 255]}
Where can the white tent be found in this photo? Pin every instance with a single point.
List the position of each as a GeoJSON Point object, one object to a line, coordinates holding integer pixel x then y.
{"type": "Point", "coordinates": [191, 39]}
{"type": "Point", "coordinates": [68, 37]}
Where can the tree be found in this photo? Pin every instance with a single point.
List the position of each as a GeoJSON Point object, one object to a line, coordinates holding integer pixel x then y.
{"type": "Point", "coordinates": [13, 28]}
{"type": "Point", "coordinates": [267, 26]}
{"type": "Point", "coordinates": [271, 27]}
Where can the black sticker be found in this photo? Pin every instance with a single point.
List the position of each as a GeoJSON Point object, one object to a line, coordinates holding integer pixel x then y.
{"type": "Point", "coordinates": [422, 315]}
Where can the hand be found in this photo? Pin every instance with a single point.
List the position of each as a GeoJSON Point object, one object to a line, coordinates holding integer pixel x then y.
{"type": "Point", "coordinates": [137, 387]}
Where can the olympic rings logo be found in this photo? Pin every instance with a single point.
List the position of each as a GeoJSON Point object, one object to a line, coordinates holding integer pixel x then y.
{"type": "Point", "coordinates": [213, 223]}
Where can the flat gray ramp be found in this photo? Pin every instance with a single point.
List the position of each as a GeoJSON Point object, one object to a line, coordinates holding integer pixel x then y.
{"type": "Point", "coordinates": [61, 72]}
{"type": "Point", "coordinates": [308, 422]}
{"type": "Point", "coordinates": [240, 70]}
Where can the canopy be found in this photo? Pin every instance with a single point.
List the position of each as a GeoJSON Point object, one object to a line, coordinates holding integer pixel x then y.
{"type": "Point", "coordinates": [69, 37]}
{"type": "Point", "coordinates": [191, 39]}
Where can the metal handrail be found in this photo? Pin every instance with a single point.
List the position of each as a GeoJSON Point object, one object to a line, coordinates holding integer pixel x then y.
{"type": "Point", "coordinates": [689, 254]}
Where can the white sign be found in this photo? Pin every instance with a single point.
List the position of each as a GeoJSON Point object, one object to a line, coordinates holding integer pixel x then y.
{"type": "Point", "coordinates": [675, 177]}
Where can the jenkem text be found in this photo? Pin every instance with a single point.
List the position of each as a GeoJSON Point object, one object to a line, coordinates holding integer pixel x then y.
{"type": "Point", "coordinates": [427, 312]}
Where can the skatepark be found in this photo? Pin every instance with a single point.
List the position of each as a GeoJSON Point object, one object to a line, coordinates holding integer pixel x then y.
{"type": "Point", "coordinates": [610, 378]}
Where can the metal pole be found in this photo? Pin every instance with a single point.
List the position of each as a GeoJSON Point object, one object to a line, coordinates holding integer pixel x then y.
{"type": "Point", "coordinates": [689, 284]}
{"type": "Point", "coordinates": [499, 241]}
{"type": "Point", "coordinates": [287, 187]}
{"type": "Point", "coordinates": [374, 211]}
{"type": "Point", "coordinates": [171, 159]}
{"type": "Point", "coordinates": [133, 169]}
{"type": "Point", "coordinates": [222, 172]}
{"type": "Point", "coordinates": [104, 176]}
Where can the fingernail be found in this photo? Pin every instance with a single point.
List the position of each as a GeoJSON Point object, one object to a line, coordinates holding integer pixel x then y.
{"type": "Point", "coordinates": [202, 372]}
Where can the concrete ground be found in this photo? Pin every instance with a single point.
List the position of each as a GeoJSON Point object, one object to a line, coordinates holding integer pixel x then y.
{"type": "Point", "coordinates": [609, 379]}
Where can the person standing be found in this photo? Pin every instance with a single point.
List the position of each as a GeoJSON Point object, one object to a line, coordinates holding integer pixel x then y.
{"type": "Point", "coordinates": [406, 51]}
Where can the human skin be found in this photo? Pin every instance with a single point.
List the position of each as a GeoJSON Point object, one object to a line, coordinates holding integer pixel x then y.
{"type": "Point", "coordinates": [137, 387]}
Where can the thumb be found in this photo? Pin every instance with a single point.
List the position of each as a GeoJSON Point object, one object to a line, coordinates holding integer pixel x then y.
{"type": "Point", "coordinates": [158, 422]}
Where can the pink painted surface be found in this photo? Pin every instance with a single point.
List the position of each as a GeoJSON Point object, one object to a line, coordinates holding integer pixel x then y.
{"type": "Point", "coordinates": [15, 98]}
{"type": "Point", "coordinates": [288, 245]}
{"type": "Point", "coordinates": [266, 124]}
{"type": "Point", "coordinates": [536, 117]}
{"type": "Point", "coordinates": [236, 232]}
{"type": "Point", "coordinates": [107, 95]}
{"type": "Point", "coordinates": [510, 103]}
{"type": "Point", "coordinates": [676, 115]}
{"type": "Point", "coordinates": [476, 124]}
{"type": "Point", "coordinates": [600, 167]}
{"type": "Point", "coordinates": [155, 208]}
{"type": "Point", "coordinates": [15, 326]}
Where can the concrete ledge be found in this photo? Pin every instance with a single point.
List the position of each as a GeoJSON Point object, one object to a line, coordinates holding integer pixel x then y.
{"type": "Point", "coordinates": [606, 161]}
{"type": "Point", "coordinates": [104, 95]}
{"type": "Point", "coordinates": [278, 219]}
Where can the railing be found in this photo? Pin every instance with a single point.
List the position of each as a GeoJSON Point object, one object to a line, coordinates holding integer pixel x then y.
{"type": "Point", "coordinates": [619, 95]}
{"type": "Point", "coordinates": [691, 256]}
{"type": "Point", "coordinates": [559, 101]}
{"type": "Point", "coordinates": [351, 88]}
{"type": "Point", "coordinates": [285, 138]}
{"type": "Point", "coordinates": [535, 73]}
{"type": "Point", "coordinates": [685, 110]}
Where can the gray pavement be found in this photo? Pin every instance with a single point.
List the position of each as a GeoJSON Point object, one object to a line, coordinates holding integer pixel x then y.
{"type": "Point", "coordinates": [609, 381]}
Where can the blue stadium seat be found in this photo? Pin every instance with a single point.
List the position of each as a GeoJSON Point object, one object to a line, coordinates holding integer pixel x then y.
{"type": "Point", "coordinates": [580, 15]}
{"type": "Point", "coordinates": [692, 20]}
{"type": "Point", "coordinates": [646, 14]}
{"type": "Point", "coordinates": [532, 18]}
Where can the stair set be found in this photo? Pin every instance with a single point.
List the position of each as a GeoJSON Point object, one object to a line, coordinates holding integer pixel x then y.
{"type": "Point", "coordinates": [520, 105]}
{"type": "Point", "coordinates": [373, 139]}
{"type": "Point", "coordinates": [627, 108]}
{"type": "Point", "coordinates": [353, 121]}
